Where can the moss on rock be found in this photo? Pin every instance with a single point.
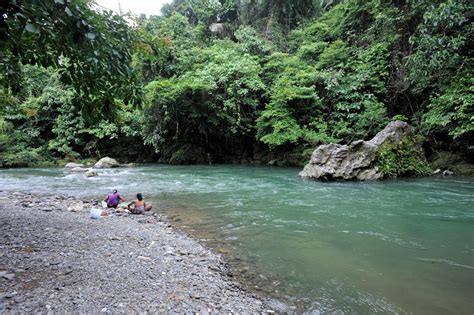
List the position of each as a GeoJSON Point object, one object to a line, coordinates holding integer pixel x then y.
{"type": "Point", "coordinates": [404, 158]}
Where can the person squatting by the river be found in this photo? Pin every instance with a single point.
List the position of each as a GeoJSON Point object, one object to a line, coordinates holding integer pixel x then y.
{"type": "Point", "coordinates": [139, 205]}
{"type": "Point", "coordinates": [113, 199]}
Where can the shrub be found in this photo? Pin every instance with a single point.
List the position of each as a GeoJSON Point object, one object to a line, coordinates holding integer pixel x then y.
{"type": "Point", "coordinates": [403, 158]}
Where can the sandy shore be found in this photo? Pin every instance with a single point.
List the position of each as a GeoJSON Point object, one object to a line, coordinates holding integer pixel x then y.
{"type": "Point", "coordinates": [52, 259]}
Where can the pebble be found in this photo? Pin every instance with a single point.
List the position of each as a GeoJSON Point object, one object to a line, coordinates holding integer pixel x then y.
{"type": "Point", "coordinates": [144, 258]}
{"type": "Point", "coordinates": [6, 275]}
{"type": "Point", "coordinates": [10, 295]}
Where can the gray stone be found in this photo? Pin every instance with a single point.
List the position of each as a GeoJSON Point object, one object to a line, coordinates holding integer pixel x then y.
{"type": "Point", "coordinates": [73, 165]}
{"type": "Point", "coordinates": [7, 275]}
{"type": "Point", "coordinates": [78, 170]}
{"type": "Point", "coordinates": [354, 161]}
{"type": "Point", "coordinates": [106, 162]}
{"type": "Point", "coordinates": [448, 173]}
{"type": "Point", "coordinates": [91, 173]}
{"type": "Point", "coordinates": [10, 295]}
{"type": "Point", "coordinates": [76, 207]}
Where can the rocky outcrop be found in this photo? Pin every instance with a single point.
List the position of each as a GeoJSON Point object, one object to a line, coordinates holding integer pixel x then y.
{"type": "Point", "coordinates": [106, 162]}
{"type": "Point", "coordinates": [358, 160]}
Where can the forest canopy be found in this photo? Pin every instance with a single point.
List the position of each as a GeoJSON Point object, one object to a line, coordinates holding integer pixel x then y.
{"type": "Point", "coordinates": [231, 80]}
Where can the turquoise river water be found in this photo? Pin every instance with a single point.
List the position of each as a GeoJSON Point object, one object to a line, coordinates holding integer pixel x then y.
{"type": "Point", "coordinates": [400, 246]}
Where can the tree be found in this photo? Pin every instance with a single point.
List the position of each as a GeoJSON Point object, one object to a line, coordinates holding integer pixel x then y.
{"type": "Point", "coordinates": [211, 108]}
{"type": "Point", "coordinates": [92, 48]}
{"type": "Point", "coordinates": [441, 67]}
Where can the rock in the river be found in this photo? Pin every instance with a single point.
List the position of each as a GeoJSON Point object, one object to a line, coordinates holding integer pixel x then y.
{"type": "Point", "coordinates": [91, 173]}
{"type": "Point", "coordinates": [73, 165]}
{"type": "Point", "coordinates": [447, 173]}
{"type": "Point", "coordinates": [106, 162]}
{"type": "Point", "coordinates": [78, 170]}
{"type": "Point", "coordinates": [354, 161]}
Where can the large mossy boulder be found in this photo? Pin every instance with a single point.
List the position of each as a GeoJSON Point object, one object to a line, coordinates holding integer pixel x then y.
{"type": "Point", "coordinates": [394, 151]}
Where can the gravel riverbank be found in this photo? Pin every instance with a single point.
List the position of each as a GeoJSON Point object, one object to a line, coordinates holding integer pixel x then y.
{"type": "Point", "coordinates": [52, 259]}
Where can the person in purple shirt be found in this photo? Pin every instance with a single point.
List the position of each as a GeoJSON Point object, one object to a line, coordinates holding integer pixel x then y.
{"type": "Point", "coordinates": [113, 199]}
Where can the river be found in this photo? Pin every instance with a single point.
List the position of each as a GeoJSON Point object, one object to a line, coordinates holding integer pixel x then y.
{"type": "Point", "coordinates": [399, 246]}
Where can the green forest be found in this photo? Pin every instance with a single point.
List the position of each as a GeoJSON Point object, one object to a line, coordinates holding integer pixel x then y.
{"type": "Point", "coordinates": [232, 81]}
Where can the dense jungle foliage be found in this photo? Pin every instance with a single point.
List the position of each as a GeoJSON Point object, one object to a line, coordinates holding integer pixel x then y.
{"type": "Point", "coordinates": [231, 80]}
